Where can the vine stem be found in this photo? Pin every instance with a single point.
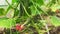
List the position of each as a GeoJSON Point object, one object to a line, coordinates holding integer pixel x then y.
{"type": "Point", "coordinates": [25, 22]}
{"type": "Point", "coordinates": [25, 10]}
{"type": "Point", "coordinates": [47, 28]}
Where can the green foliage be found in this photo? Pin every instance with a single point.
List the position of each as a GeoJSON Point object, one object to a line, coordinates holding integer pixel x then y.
{"type": "Point", "coordinates": [38, 2]}
{"type": "Point", "coordinates": [2, 11]}
{"type": "Point", "coordinates": [7, 23]}
{"type": "Point", "coordinates": [55, 21]}
{"type": "Point", "coordinates": [29, 9]}
{"type": "Point", "coordinates": [14, 1]}
{"type": "Point", "coordinates": [55, 7]}
{"type": "Point", "coordinates": [33, 11]}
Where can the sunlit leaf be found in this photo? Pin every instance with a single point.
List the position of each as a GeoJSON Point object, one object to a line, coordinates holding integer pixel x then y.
{"type": "Point", "coordinates": [14, 1]}
{"type": "Point", "coordinates": [55, 7]}
{"type": "Point", "coordinates": [7, 23]}
{"type": "Point", "coordinates": [55, 21]}
{"type": "Point", "coordinates": [40, 2]}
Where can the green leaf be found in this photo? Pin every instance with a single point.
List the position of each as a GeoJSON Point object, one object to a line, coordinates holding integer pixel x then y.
{"type": "Point", "coordinates": [14, 1]}
{"type": "Point", "coordinates": [33, 11]}
{"type": "Point", "coordinates": [40, 2]}
{"type": "Point", "coordinates": [55, 21]}
{"type": "Point", "coordinates": [7, 23]}
{"type": "Point", "coordinates": [10, 13]}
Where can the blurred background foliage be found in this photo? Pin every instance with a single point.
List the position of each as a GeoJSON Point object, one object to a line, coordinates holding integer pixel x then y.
{"type": "Point", "coordinates": [40, 14]}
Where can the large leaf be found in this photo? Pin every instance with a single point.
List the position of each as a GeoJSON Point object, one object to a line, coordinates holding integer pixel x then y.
{"type": "Point", "coordinates": [7, 23]}
{"type": "Point", "coordinates": [55, 21]}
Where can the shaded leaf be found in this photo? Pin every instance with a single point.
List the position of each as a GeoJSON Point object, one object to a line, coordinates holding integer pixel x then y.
{"type": "Point", "coordinates": [2, 11]}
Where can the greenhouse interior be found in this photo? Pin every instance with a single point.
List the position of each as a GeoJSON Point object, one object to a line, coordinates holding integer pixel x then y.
{"type": "Point", "coordinates": [29, 16]}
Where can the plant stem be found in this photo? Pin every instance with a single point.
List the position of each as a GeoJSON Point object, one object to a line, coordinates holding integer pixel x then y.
{"type": "Point", "coordinates": [25, 10]}
{"type": "Point", "coordinates": [26, 22]}
{"type": "Point", "coordinates": [36, 27]}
